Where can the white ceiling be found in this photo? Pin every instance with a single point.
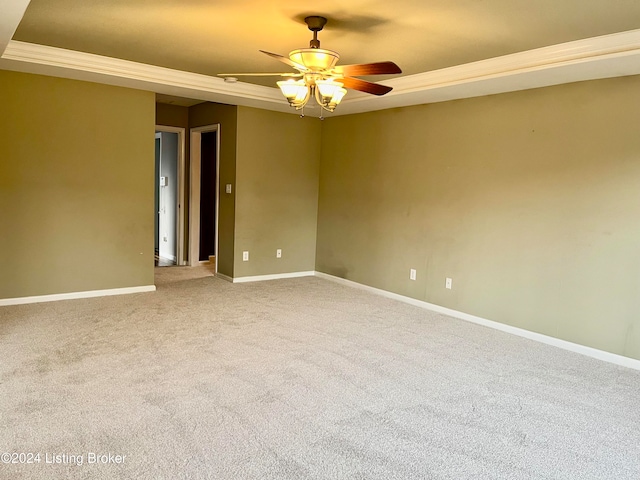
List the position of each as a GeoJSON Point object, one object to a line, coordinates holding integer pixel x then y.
{"type": "Point", "coordinates": [447, 48]}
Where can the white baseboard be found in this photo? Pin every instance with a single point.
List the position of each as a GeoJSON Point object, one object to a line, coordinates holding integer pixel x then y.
{"type": "Point", "coordinates": [538, 337]}
{"type": "Point", "coordinates": [171, 258]}
{"type": "Point", "coordinates": [75, 295]}
{"type": "Point", "coordinates": [278, 276]}
{"type": "Point", "coordinates": [224, 277]}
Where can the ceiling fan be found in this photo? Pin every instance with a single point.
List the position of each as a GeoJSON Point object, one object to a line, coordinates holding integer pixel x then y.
{"type": "Point", "coordinates": [319, 76]}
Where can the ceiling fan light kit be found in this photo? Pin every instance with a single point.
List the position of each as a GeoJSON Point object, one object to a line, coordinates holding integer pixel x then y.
{"type": "Point", "coordinates": [321, 78]}
{"type": "Point", "coordinates": [328, 93]}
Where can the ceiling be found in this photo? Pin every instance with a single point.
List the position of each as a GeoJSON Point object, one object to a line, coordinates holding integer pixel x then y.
{"type": "Point", "coordinates": [446, 48]}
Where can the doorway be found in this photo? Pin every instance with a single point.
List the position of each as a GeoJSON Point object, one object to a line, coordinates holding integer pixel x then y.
{"type": "Point", "coordinates": [203, 212]}
{"type": "Point", "coordinates": [169, 191]}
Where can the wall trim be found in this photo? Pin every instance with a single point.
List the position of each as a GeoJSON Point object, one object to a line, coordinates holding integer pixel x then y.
{"type": "Point", "coordinates": [75, 295]}
{"type": "Point", "coordinates": [224, 277]}
{"type": "Point", "coordinates": [195, 173]}
{"type": "Point", "coordinates": [605, 56]}
{"type": "Point", "coordinates": [182, 185]}
{"type": "Point", "coordinates": [89, 62]}
{"type": "Point", "coordinates": [278, 276]}
{"type": "Point", "coordinates": [578, 51]}
{"type": "Point", "coordinates": [538, 337]}
{"type": "Point", "coordinates": [145, 76]}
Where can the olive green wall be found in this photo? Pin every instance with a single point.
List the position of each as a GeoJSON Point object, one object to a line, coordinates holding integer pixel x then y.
{"type": "Point", "coordinates": [172, 115]}
{"type": "Point", "coordinates": [76, 186]}
{"type": "Point", "coordinates": [529, 201]}
{"type": "Point", "coordinates": [273, 203]}
{"type": "Point", "coordinates": [227, 117]}
{"type": "Point", "coordinates": [277, 192]}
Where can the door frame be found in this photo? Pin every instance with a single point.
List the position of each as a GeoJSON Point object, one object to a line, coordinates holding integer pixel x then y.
{"type": "Point", "coordinates": [195, 160]}
{"type": "Point", "coordinates": [180, 214]}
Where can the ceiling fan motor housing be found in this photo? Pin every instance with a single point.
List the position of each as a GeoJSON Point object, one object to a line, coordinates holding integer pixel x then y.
{"type": "Point", "coordinates": [315, 24]}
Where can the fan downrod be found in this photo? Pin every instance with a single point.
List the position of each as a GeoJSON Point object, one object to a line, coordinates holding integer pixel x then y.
{"type": "Point", "coordinates": [315, 24]}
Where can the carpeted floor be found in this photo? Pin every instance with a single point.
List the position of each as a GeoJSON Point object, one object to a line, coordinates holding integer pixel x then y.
{"type": "Point", "coordinates": [299, 379]}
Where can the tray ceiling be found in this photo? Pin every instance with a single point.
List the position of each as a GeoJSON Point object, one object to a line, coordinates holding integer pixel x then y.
{"type": "Point", "coordinates": [208, 37]}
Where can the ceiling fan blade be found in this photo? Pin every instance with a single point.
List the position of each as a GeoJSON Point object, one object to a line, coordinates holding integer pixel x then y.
{"type": "Point", "coordinates": [379, 68]}
{"type": "Point", "coordinates": [295, 65]}
{"type": "Point", "coordinates": [364, 86]}
{"type": "Point", "coordinates": [288, 74]}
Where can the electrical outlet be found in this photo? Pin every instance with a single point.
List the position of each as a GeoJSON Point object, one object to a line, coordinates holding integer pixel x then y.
{"type": "Point", "coordinates": [448, 283]}
{"type": "Point", "coordinates": [245, 256]}
{"type": "Point", "coordinates": [279, 253]}
{"type": "Point", "coordinates": [227, 188]}
{"type": "Point", "coordinates": [412, 274]}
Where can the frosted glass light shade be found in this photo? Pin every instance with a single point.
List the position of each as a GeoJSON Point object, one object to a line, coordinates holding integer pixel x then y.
{"type": "Point", "coordinates": [296, 92]}
{"type": "Point", "coordinates": [337, 97]}
{"type": "Point", "coordinates": [289, 88]}
{"type": "Point", "coordinates": [315, 59]}
{"type": "Point", "coordinates": [328, 88]}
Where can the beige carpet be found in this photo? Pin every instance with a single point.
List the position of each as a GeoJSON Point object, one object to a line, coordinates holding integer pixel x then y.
{"type": "Point", "coordinates": [299, 379]}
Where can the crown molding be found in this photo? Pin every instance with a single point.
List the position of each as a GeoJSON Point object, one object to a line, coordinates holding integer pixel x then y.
{"type": "Point", "coordinates": [589, 59]}
{"type": "Point", "coordinates": [580, 51]}
{"type": "Point", "coordinates": [599, 57]}
{"type": "Point", "coordinates": [61, 62]}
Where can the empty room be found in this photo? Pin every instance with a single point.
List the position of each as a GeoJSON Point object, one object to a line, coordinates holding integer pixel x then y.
{"type": "Point", "coordinates": [266, 240]}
